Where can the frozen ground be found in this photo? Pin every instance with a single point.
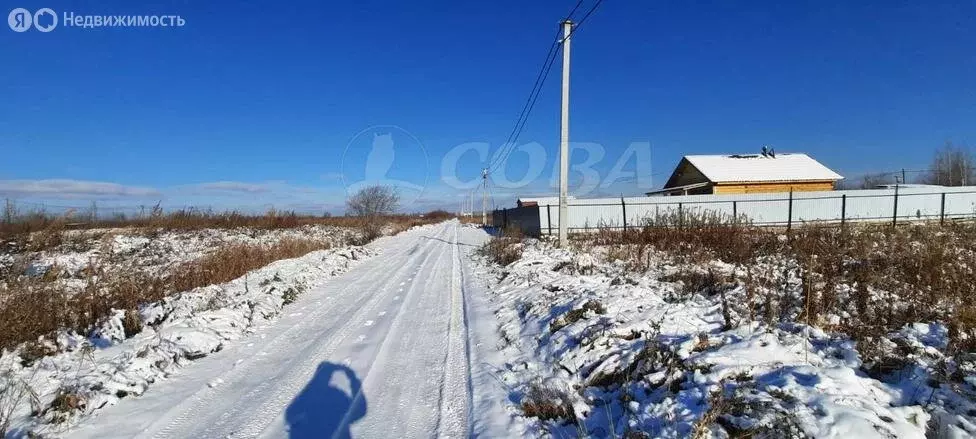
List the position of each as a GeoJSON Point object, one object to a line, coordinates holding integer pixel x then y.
{"type": "Point", "coordinates": [380, 351]}
{"type": "Point", "coordinates": [416, 336]}
{"type": "Point", "coordinates": [95, 372]}
{"type": "Point", "coordinates": [603, 352]}
{"type": "Point", "coordinates": [150, 251]}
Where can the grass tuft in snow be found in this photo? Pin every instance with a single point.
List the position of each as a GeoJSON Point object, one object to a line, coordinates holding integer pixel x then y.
{"type": "Point", "coordinates": [32, 307]}
{"type": "Point", "coordinates": [548, 403]}
{"type": "Point", "coordinates": [577, 314]}
{"type": "Point", "coordinates": [869, 330]}
{"type": "Point", "coordinates": [504, 249]}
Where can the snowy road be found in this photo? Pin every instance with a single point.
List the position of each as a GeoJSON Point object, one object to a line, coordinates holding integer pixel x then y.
{"type": "Point", "coordinates": [382, 351]}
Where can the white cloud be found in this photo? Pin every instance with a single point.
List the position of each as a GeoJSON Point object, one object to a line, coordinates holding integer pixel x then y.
{"type": "Point", "coordinates": [232, 186]}
{"type": "Point", "coordinates": [63, 188]}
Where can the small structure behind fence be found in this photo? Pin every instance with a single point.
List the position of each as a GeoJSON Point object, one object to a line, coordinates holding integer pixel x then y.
{"type": "Point", "coordinates": [787, 209]}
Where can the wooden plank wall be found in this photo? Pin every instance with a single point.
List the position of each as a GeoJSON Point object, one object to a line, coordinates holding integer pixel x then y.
{"type": "Point", "coordinates": [753, 188]}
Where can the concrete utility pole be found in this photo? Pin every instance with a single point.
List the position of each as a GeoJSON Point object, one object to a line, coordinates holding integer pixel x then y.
{"type": "Point", "coordinates": [484, 197]}
{"type": "Point", "coordinates": [470, 203]}
{"type": "Point", "coordinates": [564, 141]}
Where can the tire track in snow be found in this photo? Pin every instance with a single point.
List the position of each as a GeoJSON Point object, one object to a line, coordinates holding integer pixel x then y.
{"type": "Point", "coordinates": [453, 421]}
{"type": "Point", "coordinates": [286, 391]}
{"type": "Point", "coordinates": [395, 370]}
{"type": "Point", "coordinates": [199, 403]}
{"type": "Point", "coordinates": [398, 327]}
{"type": "Point", "coordinates": [413, 362]}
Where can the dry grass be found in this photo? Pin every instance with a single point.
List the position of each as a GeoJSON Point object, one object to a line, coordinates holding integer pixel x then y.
{"type": "Point", "coordinates": [548, 403]}
{"type": "Point", "coordinates": [31, 307]}
{"type": "Point", "coordinates": [730, 402]}
{"type": "Point", "coordinates": [38, 230]}
{"type": "Point", "coordinates": [875, 278]}
{"type": "Point", "coordinates": [690, 237]}
{"type": "Point", "coordinates": [504, 249]}
{"type": "Point", "coordinates": [577, 314]}
{"type": "Point", "coordinates": [473, 219]}
{"type": "Point", "coordinates": [654, 356]}
{"type": "Point", "coordinates": [34, 307]}
{"type": "Point", "coordinates": [14, 393]}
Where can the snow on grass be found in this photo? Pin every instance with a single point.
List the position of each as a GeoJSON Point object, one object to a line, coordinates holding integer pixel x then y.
{"type": "Point", "coordinates": [156, 251]}
{"type": "Point", "coordinates": [637, 355]}
{"type": "Point", "coordinates": [91, 371]}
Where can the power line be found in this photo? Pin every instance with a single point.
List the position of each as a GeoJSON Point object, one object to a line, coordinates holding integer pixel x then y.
{"type": "Point", "coordinates": [583, 20]}
{"type": "Point", "coordinates": [507, 147]}
{"type": "Point", "coordinates": [570, 15]}
{"type": "Point", "coordinates": [512, 141]}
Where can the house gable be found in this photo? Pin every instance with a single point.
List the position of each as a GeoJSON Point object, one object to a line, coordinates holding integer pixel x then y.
{"type": "Point", "coordinates": [685, 174]}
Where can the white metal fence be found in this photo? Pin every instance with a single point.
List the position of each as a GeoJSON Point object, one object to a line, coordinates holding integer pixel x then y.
{"type": "Point", "coordinates": [770, 209]}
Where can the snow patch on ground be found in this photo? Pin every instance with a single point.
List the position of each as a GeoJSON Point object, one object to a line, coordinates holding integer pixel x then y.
{"type": "Point", "coordinates": [630, 358]}
{"type": "Point", "coordinates": [104, 369]}
{"type": "Point", "coordinates": [156, 251]}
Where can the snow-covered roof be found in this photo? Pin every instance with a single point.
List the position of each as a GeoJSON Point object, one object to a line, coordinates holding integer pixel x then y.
{"type": "Point", "coordinates": [757, 167]}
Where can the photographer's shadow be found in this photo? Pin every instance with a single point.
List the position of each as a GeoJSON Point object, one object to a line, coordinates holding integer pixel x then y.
{"type": "Point", "coordinates": [323, 409]}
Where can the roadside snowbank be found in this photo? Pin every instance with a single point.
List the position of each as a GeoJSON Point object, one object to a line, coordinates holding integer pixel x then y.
{"type": "Point", "coordinates": [154, 252]}
{"type": "Point", "coordinates": [595, 349]}
{"type": "Point", "coordinates": [92, 372]}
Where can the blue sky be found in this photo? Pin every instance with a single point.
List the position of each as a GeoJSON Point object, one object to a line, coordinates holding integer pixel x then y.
{"type": "Point", "coordinates": [253, 105]}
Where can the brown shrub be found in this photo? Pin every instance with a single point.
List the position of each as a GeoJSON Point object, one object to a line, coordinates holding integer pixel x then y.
{"type": "Point", "coordinates": [437, 215]}
{"type": "Point", "coordinates": [505, 249]}
{"type": "Point", "coordinates": [962, 330]}
{"type": "Point", "coordinates": [690, 237]}
{"type": "Point", "coordinates": [40, 230]}
{"type": "Point", "coordinates": [706, 282]}
{"type": "Point", "coordinates": [30, 307]}
{"type": "Point", "coordinates": [880, 276]}
{"type": "Point", "coordinates": [131, 323]}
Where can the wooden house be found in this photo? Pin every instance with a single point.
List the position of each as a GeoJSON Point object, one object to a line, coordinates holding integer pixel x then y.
{"type": "Point", "coordinates": [748, 173]}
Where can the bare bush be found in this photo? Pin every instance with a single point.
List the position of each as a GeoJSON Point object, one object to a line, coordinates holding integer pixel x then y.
{"type": "Point", "coordinates": [370, 204]}
{"type": "Point", "coordinates": [437, 215]}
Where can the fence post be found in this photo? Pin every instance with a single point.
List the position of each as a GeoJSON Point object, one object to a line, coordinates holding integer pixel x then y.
{"type": "Point", "coordinates": [942, 211]}
{"type": "Point", "coordinates": [681, 217]}
{"type": "Point", "coordinates": [504, 218]}
{"type": "Point", "coordinates": [623, 205]}
{"type": "Point", "coordinates": [549, 216]}
{"type": "Point", "coordinates": [894, 214]}
{"type": "Point", "coordinates": [789, 212]}
{"type": "Point", "coordinates": [735, 212]}
{"type": "Point", "coordinates": [843, 211]}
